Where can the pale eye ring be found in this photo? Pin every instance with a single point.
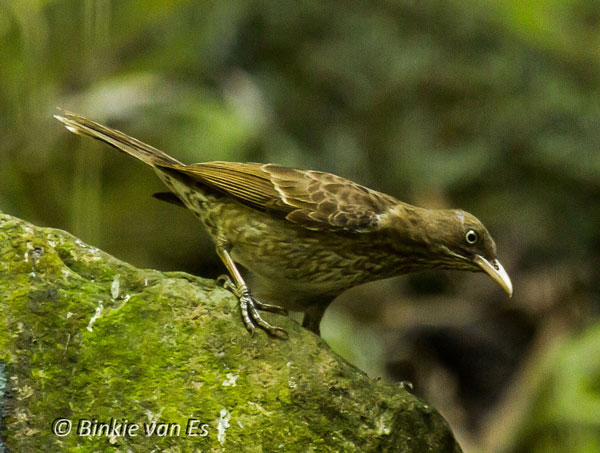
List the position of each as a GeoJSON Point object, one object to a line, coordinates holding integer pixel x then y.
{"type": "Point", "coordinates": [471, 237]}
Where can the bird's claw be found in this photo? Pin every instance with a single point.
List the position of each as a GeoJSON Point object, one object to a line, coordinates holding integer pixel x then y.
{"type": "Point", "coordinates": [249, 307]}
{"type": "Point", "coordinates": [225, 281]}
{"type": "Point", "coordinates": [270, 308]}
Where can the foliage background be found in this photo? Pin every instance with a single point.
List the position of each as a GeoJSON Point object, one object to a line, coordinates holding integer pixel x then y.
{"type": "Point", "coordinates": [492, 106]}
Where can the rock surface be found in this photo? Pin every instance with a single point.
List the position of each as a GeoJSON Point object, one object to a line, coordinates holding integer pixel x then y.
{"type": "Point", "coordinates": [89, 339]}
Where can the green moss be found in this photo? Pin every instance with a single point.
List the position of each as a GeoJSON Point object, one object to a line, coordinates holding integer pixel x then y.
{"type": "Point", "coordinates": [87, 337]}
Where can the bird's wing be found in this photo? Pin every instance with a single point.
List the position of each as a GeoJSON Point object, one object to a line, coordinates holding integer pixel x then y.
{"type": "Point", "coordinates": [312, 199]}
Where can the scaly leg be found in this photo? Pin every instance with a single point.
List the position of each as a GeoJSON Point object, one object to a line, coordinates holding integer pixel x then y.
{"type": "Point", "coordinates": [225, 280]}
{"type": "Point", "coordinates": [248, 305]}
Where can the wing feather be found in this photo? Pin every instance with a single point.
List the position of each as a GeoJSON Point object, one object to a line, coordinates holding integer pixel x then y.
{"type": "Point", "coordinates": [312, 199]}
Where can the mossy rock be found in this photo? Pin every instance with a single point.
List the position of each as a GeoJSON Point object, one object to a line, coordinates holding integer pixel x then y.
{"type": "Point", "coordinates": [88, 338]}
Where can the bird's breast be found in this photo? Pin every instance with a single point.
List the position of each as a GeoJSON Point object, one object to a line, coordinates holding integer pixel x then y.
{"type": "Point", "coordinates": [316, 262]}
{"type": "Point", "coordinates": [289, 259]}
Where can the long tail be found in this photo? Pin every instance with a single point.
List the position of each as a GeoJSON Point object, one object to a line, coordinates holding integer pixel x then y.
{"type": "Point", "coordinates": [117, 139]}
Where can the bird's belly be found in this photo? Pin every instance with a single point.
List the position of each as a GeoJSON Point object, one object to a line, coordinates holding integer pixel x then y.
{"type": "Point", "coordinates": [300, 266]}
{"type": "Point", "coordinates": [295, 275]}
{"type": "Point", "coordinates": [294, 265]}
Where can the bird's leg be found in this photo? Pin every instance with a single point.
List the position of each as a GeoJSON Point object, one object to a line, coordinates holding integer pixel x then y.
{"type": "Point", "coordinates": [314, 313]}
{"type": "Point", "coordinates": [248, 305]}
{"type": "Point", "coordinates": [225, 280]}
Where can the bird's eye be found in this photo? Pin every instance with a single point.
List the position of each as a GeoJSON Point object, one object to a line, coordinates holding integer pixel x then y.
{"type": "Point", "coordinates": [471, 237]}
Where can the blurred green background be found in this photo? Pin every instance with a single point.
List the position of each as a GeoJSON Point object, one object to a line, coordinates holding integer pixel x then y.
{"type": "Point", "coordinates": [491, 106]}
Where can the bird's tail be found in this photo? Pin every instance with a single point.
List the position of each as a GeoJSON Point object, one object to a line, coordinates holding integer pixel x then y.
{"type": "Point", "coordinates": [117, 139]}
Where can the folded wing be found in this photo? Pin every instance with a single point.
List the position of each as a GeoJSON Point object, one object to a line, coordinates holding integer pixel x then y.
{"type": "Point", "coordinates": [312, 199]}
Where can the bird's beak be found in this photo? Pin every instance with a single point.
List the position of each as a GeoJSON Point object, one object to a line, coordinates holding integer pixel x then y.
{"type": "Point", "coordinates": [496, 271]}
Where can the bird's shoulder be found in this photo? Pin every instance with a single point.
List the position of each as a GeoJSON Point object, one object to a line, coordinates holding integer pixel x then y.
{"type": "Point", "coordinates": [313, 199]}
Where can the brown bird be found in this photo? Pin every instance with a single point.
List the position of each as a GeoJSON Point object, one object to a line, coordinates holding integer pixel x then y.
{"type": "Point", "coordinates": [306, 236]}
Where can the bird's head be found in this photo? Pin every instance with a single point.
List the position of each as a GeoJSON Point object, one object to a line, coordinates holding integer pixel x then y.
{"type": "Point", "coordinates": [461, 241]}
{"type": "Point", "coordinates": [445, 239]}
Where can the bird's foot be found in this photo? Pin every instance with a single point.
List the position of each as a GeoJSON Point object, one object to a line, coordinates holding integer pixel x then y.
{"type": "Point", "coordinates": [225, 281]}
{"type": "Point", "coordinates": [249, 307]}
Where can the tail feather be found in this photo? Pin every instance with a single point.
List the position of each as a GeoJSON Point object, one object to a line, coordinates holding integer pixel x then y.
{"type": "Point", "coordinates": [117, 139]}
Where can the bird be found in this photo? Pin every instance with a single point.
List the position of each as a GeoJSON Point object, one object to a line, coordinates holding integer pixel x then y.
{"type": "Point", "coordinates": [302, 237]}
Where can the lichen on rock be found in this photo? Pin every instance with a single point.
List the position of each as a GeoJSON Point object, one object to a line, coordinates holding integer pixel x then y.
{"type": "Point", "coordinates": [87, 338]}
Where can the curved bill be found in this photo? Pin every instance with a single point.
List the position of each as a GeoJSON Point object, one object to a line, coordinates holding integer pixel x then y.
{"type": "Point", "coordinates": [496, 271]}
